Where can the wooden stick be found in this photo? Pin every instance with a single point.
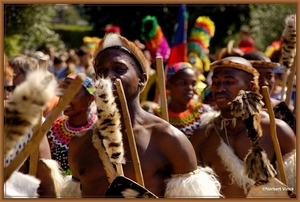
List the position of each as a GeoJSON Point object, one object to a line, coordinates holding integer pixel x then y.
{"type": "Point", "coordinates": [34, 156]}
{"type": "Point", "coordinates": [285, 75]}
{"type": "Point", "coordinates": [129, 131]}
{"type": "Point", "coordinates": [36, 138]}
{"type": "Point", "coordinates": [276, 145]}
{"type": "Point", "coordinates": [43, 63]}
{"type": "Point", "coordinates": [290, 83]}
{"type": "Point", "coordinates": [162, 87]}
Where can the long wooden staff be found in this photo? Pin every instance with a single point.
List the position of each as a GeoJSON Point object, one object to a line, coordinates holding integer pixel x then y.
{"type": "Point", "coordinates": [33, 161]}
{"type": "Point", "coordinates": [162, 87]}
{"type": "Point", "coordinates": [129, 131]}
{"type": "Point", "coordinates": [290, 83]}
{"type": "Point", "coordinates": [267, 99]}
{"type": "Point", "coordinates": [36, 138]}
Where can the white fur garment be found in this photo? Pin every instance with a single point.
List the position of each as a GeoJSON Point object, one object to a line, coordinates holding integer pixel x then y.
{"type": "Point", "coordinates": [202, 183]}
{"type": "Point", "coordinates": [235, 167]}
{"type": "Point", "coordinates": [20, 185]}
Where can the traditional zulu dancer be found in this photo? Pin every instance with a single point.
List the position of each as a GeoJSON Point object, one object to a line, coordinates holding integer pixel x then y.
{"type": "Point", "coordinates": [222, 141]}
{"type": "Point", "coordinates": [265, 67]}
{"type": "Point", "coordinates": [165, 173]}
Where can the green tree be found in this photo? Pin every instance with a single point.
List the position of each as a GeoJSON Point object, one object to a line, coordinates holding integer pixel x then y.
{"type": "Point", "coordinates": [30, 25]}
{"type": "Point", "coordinates": [268, 22]}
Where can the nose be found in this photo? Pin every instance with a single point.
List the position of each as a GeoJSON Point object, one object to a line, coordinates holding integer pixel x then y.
{"type": "Point", "coordinates": [220, 87]}
{"type": "Point", "coordinates": [263, 81]}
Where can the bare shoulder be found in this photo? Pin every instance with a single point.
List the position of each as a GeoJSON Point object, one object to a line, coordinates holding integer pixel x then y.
{"type": "Point", "coordinates": [168, 139]}
{"type": "Point", "coordinates": [285, 134]}
{"type": "Point", "coordinates": [199, 135]}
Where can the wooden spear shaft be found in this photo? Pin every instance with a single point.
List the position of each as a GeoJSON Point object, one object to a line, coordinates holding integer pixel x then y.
{"type": "Point", "coordinates": [129, 131]}
{"type": "Point", "coordinates": [33, 161]}
{"type": "Point", "coordinates": [290, 84]}
{"type": "Point", "coordinates": [162, 87]}
{"type": "Point", "coordinates": [276, 145]}
{"type": "Point", "coordinates": [36, 138]}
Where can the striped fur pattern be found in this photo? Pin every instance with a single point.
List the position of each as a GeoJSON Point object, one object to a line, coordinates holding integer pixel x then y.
{"type": "Point", "coordinates": [289, 41]}
{"type": "Point", "coordinates": [26, 105]}
{"type": "Point", "coordinates": [257, 165]}
{"type": "Point", "coordinates": [108, 123]}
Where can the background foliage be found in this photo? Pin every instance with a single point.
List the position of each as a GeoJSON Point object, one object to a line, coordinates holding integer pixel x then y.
{"type": "Point", "coordinates": [34, 26]}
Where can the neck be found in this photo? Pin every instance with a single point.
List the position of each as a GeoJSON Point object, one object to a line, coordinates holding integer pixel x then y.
{"type": "Point", "coordinates": [78, 121]}
{"type": "Point", "coordinates": [178, 107]}
{"type": "Point", "coordinates": [226, 114]}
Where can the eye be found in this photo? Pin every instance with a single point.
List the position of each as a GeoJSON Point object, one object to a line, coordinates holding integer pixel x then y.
{"type": "Point", "coordinates": [121, 69]}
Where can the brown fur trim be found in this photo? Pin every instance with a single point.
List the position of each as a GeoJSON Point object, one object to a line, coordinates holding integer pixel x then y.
{"type": "Point", "coordinates": [238, 63]}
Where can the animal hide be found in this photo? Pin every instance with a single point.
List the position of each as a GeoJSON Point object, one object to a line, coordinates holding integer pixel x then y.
{"type": "Point", "coordinates": [235, 167]}
{"type": "Point", "coordinates": [20, 185]}
{"type": "Point", "coordinates": [257, 165]}
{"type": "Point", "coordinates": [27, 102]}
{"type": "Point", "coordinates": [201, 183]}
{"type": "Point", "coordinates": [289, 41]}
{"type": "Point", "coordinates": [108, 124]}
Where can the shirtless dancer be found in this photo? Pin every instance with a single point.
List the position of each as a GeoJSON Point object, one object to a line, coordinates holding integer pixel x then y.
{"type": "Point", "coordinates": [164, 151]}
{"type": "Point", "coordinates": [222, 143]}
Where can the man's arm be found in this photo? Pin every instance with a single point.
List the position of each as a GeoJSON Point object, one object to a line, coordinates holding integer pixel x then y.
{"type": "Point", "coordinates": [187, 179]}
{"type": "Point", "coordinates": [286, 137]}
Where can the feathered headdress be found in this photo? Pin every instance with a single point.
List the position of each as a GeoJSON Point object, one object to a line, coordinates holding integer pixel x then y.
{"type": "Point", "coordinates": [91, 43]}
{"type": "Point", "coordinates": [154, 38]}
{"type": "Point", "coordinates": [199, 41]}
{"type": "Point", "coordinates": [274, 51]}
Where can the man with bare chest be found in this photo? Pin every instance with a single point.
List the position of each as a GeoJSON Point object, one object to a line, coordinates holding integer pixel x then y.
{"type": "Point", "coordinates": [167, 158]}
{"type": "Point", "coordinates": [222, 142]}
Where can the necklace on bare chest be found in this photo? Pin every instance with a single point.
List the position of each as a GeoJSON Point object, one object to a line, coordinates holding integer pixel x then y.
{"type": "Point", "coordinates": [225, 122]}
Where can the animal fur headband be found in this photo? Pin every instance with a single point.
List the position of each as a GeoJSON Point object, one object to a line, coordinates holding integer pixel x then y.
{"type": "Point", "coordinates": [115, 40]}
{"type": "Point", "coordinates": [257, 63]}
{"type": "Point", "coordinates": [237, 63]}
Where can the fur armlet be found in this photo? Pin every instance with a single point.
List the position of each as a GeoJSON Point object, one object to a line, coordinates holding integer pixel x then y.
{"type": "Point", "coordinates": [200, 183]}
{"type": "Point", "coordinates": [71, 188]}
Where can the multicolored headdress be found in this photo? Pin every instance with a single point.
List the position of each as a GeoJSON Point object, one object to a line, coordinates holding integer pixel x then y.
{"type": "Point", "coordinates": [199, 41]}
{"type": "Point", "coordinates": [154, 38]}
{"type": "Point", "coordinates": [91, 42]}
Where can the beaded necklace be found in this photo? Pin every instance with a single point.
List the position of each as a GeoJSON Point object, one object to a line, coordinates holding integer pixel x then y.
{"type": "Point", "coordinates": [63, 132]}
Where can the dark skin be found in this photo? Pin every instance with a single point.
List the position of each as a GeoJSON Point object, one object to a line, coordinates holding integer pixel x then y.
{"type": "Point", "coordinates": [78, 107]}
{"type": "Point", "coordinates": [151, 133]}
{"type": "Point", "coordinates": [267, 78]}
{"type": "Point", "coordinates": [182, 89]}
{"type": "Point", "coordinates": [227, 82]}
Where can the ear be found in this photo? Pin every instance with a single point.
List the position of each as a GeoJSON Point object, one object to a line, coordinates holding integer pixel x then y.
{"type": "Point", "coordinates": [250, 86]}
{"type": "Point", "coordinates": [142, 79]}
{"type": "Point", "coordinates": [91, 98]}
